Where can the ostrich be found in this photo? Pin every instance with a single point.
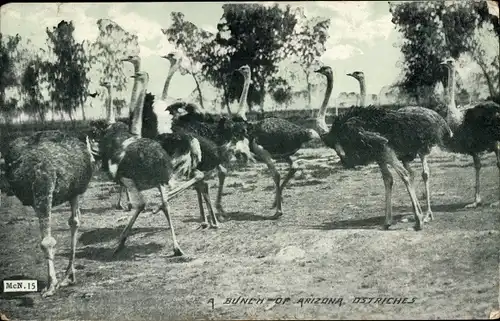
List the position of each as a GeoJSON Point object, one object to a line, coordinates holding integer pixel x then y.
{"type": "Point", "coordinates": [213, 155]}
{"type": "Point", "coordinates": [140, 164]}
{"type": "Point", "coordinates": [370, 134]}
{"type": "Point", "coordinates": [319, 123]}
{"type": "Point", "coordinates": [274, 139]}
{"type": "Point", "coordinates": [423, 153]}
{"type": "Point", "coordinates": [44, 170]}
{"type": "Point", "coordinates": [475, 131]}
{"type": "Point", "coordinates": [360, 77]}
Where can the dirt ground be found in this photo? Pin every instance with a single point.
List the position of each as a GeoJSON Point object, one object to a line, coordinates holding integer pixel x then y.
{"type": "Point", "coordinates": [327, 245]}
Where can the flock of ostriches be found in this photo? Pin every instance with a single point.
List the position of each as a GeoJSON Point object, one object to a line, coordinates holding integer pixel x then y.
{"type": "Point", "coordinates": [166, 140]}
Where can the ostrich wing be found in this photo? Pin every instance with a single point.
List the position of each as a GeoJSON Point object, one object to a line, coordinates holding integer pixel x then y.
{"type": "Point", "coordinates": [354, 128]}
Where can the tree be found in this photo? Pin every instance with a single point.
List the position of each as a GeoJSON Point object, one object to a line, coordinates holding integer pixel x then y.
{"type": "Point", "coordinates": [433, 30]}
{"type": "Point", "coordinates": [307, 44]}
{"type": "Point", "coordinates": [187, 37]}
{"type": "Point", "coordinates": [8, 79]}
{"type": "Point", "coordinates": [68, 74]}
{"type": "Point", "coordinates": [250, 34]}
{"type": "Point", "coordinates": [105, 54]}
{"type": "Point", "coordinates": [34, 74]}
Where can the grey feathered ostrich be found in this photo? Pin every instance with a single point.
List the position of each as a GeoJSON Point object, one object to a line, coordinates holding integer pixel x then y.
{"type": "Point", "coordinates": [475, 131]}
{"type": "Point", "coordinates": [140, 163]}
{"type": "Point", "coordinates": [275, 139]}
{"type": "Point", "coordinates": [44, 170]}
{"type": "Point", "coordinates": [423, 153]}
{"type": "Point", "coordinates": [369, 134]}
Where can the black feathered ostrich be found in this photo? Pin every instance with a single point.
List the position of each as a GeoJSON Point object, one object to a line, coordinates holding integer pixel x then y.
{"type": "Point", "coordinates": [364, 135]}
{"type": "Point", "coordinates": [423, 153]}
{"type": "Point", "coordinates": [218, 140]}
{"type": "Point", "coordinates": [475, 131]}
{"type": "Point", "coordinates": [44, 170]}
{"type": "Point", "coordinates": [139, 164]}
{"type": "Point", "coordinates": [274, 139]}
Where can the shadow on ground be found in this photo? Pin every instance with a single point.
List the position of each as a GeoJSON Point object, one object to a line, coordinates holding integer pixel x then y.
{"type": "Point", "coordinates": [367, 223]}
{"type": "Point", "coordinates": [107, 234]}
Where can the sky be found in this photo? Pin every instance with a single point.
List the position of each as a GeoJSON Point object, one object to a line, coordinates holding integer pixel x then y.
{"type": "Point", "coordinates": [362, 36]}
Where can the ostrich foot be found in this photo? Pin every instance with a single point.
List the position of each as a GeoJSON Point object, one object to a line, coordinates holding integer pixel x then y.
{"type": "Point", "coordinates": [473, 205]}
{"type": "Point", "coordinates": [118, 248]}
{"type": "Point", "coordinates": [124, 207]}
{"type": "Point", "coordinates": [49, 290]}
{"type": "Point", "coordinates": [219, 208]}
{"type": "Point", "coordinates": [407, 219]}
{"type": "Point", "coordinates": [429, 217]}
{"type": "Point", "coordinates": [277, 215]}
{"type": "Point", "coordinates": [495, 204]}
{"type": "Point", "coordinates": [178, 251]}
{"type": "Point", "coordinates": [418, 226]}
{"type": "Point", "coordinates": [214, 226]}
{"type": "Point", "coordinates": [203, 225]}
{"type": "Point", "coordinates": [69, 278]}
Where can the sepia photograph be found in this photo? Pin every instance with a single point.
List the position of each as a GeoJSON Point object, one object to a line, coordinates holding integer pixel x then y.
{"type": "Point", "coordinates": [301, 160]}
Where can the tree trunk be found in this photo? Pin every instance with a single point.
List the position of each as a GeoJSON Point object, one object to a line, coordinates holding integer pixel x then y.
{"type": "Point", "coordinates": [200, 96]}
{"type": "Point", "coordinates": [489, 81]}
{"type": "Point", "coordinates": [83, 110]}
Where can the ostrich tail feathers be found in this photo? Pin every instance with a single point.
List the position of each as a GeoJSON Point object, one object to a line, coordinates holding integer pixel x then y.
{"type": "Point", "coordinates": [164, 117]}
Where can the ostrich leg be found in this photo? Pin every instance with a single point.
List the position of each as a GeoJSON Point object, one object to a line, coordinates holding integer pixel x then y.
{"type": "Point", "coordinates": [497, 153]}
{"type": "Point", "coordinates": [166, 211]}
{"type": "Point", "coordinates": [268, 160]}
{"type": "Point", "coordinates": [221, 173]}
{"type": "Point", "coordinates": [138, 206]}
{"type": "Point", "coordinates": [391, 158]}
{"type": "Point", "coordinates": [205, 192]}
{"type": "Point", "coordinates": [74, 223]}
{"type": "Point", "coordinates": [127, 206]}
{"type": "Point", "coordinates": [43, 187]}
{"type": "Point", "coordinates": [291, 172]}
{"type": "Point", "coordinates": [388, 183]}
{"type": "Point", "coordinates": [477, 167]}
{"type": "Point", "coordinates": [204, 223]}
{"type": "Point", "coordinates": [429, 216]}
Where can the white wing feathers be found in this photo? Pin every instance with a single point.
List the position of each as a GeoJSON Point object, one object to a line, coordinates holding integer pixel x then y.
{"type": "Point", "coordinates": [165, 118]}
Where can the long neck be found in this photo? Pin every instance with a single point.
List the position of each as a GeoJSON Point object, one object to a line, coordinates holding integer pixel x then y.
{"type": "Point", "coordinates": [453, 115]}
{"type": "Point", "coordinates": [171, 72]}
{"type": "Point", "coordinates": [243, 97]}
{"type": "Point", "coordinates": [321, 118]}
{"type": "Point", "coordinates": [133, 98]}
{"type": "Point", "coordinates": [136, 124]}
{"type": "Point", "coordinates": [109, 107]}
{"type": "Point", "coordinates": [362, 92]}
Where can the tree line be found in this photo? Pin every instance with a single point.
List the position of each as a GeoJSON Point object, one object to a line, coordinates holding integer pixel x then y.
{"type": "Point", "coordinates": [281, 45]}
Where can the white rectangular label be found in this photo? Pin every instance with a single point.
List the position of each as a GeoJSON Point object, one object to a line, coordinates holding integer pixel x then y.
{"type": "Point", "coordinates": [20, 286]}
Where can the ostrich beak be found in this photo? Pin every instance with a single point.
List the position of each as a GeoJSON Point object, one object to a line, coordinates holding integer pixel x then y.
{"type": "Point", "coordinates": [318, 70]}
{"type": "Point", "coordinates": [133, 76]}
{"type": "Point", "coordinates": [350, 75]}
{"type": "Point", "coordinates": [444, 62]}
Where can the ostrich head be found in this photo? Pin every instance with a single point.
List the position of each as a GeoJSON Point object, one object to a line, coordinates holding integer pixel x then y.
{"type": "Point", "coordinates": [132, 58]}
{"type": "Point", "coordinates": [325, 70]}
{"type": "Point", "coordinates": [358, 75]}
{"type": "Point", "coordinates": [244, 70]}
{"type": "Point", "coordinates": [173, 57]}
{"type": "Point", "coordinates": [448, 62]}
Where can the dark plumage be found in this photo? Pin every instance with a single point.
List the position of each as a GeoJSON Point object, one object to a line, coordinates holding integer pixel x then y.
{"type": "Point", "coordinates": [139, 164]}
{"type": "Point", "coordinates": [216, 139]}
{"type": "Point", "coordinates": [365, 135]}
{"type": "Point", "coordinates": [44, 170]}
{"type": "Point", "coordinates": [479, 131]}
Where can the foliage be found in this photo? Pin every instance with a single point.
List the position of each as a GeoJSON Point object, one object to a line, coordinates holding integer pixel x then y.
{"type": "Point", "coordinates": [8, 47]}
{"type": "Point", "coordinates": [34, 74]}
{"type": "Point", "coordinates": [187, 37]}
{"type": "Point", "coordinates": [250, 34]}
{"type": "Point", "coordinates": [307, 45]}
{"type": "Point", "coordinates": [105, 54]}
{"type": "Point", "coordinates": [432, 31]}
{"type": "Point", "coordinates": [68, 74]}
